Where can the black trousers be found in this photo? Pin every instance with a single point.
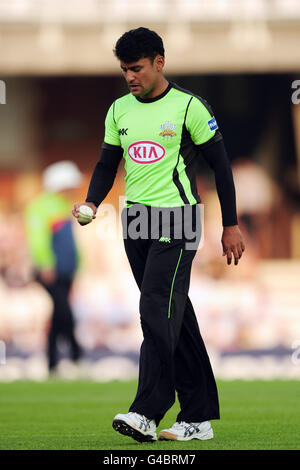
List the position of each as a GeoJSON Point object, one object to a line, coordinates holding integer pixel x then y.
{"type": "Point", "coordinates": [62, 322]}
{"type": "Point", "coordinates": [173, 357]}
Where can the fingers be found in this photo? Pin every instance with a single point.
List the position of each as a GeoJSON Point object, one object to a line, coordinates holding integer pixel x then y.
{"type": "Point", "coordinates": [236, 255]}
{"type": "Point", "coordinates": [241, 249]}
{"type": "Point", "coordinates": [75, 210]}
{"type": "Point", "coordinates": [236, 251]}
{"type": "Point", "coordinates": [233, 244]}
{"type": "Point", "coordinates": [227, 252]}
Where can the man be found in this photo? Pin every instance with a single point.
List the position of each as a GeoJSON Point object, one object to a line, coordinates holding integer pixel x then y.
{"type": "Point", "coordinates": [160, 130]}
{"type": "Point", "coordinates": [54, 253]}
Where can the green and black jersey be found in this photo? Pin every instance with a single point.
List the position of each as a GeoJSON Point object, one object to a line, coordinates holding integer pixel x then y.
{"type": "Point", "coordinates": [160, 138]}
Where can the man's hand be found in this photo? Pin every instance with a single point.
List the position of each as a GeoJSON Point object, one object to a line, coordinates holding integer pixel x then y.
{"type": "Point", "coordinates": [232, 242]}
{"type": "Point", "coordinates": [75, 211]}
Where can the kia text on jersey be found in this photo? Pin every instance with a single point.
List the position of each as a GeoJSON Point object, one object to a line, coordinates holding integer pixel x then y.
{"type": "Point", "coordinates": [146, 151]}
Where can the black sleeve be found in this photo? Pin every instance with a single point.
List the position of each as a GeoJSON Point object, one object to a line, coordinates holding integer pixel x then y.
{"type": "Point", "coordinates": [216, 156]}
{"type": "Point", "coordinates": [104, 173]}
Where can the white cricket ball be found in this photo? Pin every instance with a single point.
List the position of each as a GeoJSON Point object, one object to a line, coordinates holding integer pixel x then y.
{"type": "Point", "coordinates": [85, 215]}
{"type": "Point", "coordinates": [86, 210]}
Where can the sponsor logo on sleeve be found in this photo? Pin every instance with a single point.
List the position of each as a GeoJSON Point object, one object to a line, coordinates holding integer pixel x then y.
{"type": "Point", "coordinates": [212, 124]}
{"type": "Point", "coordinates": [146, 151]}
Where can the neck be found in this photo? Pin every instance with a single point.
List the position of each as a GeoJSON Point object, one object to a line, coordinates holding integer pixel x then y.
{"type": "Point", "coordinates": [160, 87]}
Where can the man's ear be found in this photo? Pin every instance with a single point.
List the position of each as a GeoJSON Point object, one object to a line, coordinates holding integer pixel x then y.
{"type": "Point", "coordinates": [159, 62]}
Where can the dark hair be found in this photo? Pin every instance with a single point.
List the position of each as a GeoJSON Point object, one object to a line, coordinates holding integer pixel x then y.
{"type": "Point", "coordinates": [138, 43]}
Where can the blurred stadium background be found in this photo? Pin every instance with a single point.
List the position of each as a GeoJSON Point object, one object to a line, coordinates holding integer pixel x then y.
{"type": "Point", "coordinates": [60, 77]}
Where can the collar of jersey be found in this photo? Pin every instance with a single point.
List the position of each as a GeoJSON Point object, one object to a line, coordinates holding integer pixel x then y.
{"type": "Point", "coordinates": [158, 97]}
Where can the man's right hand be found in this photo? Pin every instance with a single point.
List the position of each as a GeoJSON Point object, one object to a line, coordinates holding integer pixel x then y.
{"type": "Point", "coordinates": [75, 211]}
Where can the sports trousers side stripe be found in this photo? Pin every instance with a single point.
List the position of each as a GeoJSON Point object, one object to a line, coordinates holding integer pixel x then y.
{"type": "Point", "coordinates": [173, 357]}
{"type": "Point", "coordinates": [170, 300]}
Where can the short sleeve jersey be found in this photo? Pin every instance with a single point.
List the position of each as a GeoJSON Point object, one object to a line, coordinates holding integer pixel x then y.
{"type": "Point", "coordinates": [160, 138]}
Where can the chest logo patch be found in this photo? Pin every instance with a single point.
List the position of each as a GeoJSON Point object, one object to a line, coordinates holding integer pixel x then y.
{"type": "Point", "coordinates": [146, 151]}
{"type": "Point", "coordinates": [168, 129]}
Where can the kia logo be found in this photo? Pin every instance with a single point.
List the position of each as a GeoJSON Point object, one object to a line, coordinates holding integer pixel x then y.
{"type": "Point", "coordinates": [146, 151]}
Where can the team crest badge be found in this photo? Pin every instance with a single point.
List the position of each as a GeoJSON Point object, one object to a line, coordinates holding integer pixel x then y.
{"type": "Point", "coordinates": [168, 129]}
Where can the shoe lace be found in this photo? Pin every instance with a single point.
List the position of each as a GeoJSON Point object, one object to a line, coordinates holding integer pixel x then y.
{"type": "Point", "coordinates": [189, 428]}
{"type": "Point", "coordinates": [143, 421]}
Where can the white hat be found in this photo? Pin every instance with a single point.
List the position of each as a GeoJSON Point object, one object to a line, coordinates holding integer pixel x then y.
{"type": "Point", "coordinates": [61, 175]}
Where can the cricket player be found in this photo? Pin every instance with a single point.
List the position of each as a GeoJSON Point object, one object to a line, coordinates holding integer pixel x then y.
{"type": "Point", "coordinates": [162, 131]}
{"type": "Point", "coordinates": [54, 252]}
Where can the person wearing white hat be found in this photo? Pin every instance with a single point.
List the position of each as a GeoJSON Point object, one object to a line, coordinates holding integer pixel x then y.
{"type": "Point", "coordinates": [54, 253]}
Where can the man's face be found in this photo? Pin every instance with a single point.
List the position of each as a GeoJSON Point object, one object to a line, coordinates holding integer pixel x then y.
{"type": "Point", "coordinates": [142, 76]}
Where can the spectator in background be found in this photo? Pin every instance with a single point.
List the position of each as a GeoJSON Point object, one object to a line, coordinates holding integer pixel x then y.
{"type": "Point", "coordinates": [53, 251]}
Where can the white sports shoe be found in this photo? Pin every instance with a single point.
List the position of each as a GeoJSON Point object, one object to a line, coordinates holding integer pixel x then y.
{"type": "Point", "coordinates": [183, 431]}
{"type": "Point", "coordinates": [136, 426]}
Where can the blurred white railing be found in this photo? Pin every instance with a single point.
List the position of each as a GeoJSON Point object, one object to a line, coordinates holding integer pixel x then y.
{"type": "Point", "coordinates": [162, 11]}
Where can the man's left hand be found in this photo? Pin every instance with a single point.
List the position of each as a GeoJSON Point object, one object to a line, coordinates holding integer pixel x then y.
{"type": "Point", "coordinates": [232, 242]}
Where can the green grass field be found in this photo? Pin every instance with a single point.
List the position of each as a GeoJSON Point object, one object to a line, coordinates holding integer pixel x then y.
{"type": "Point", "coordinates": [78, 415]}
